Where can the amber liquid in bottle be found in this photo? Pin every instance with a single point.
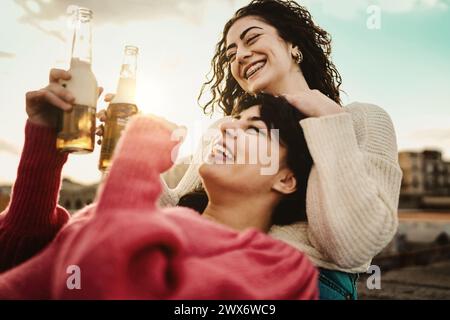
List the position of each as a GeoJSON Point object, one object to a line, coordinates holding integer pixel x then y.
{"type": "Point", "coordinates": [117, 117]}
{"type": "Point", "coordinates": [76, 128]}
{"type": "Point", "coordinates": [121, 108]}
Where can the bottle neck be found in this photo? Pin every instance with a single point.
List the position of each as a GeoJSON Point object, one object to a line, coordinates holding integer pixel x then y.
{"type": "Point", "coordinates": [129, 66]}
{"type": "Point", "coordinates": [126, 88]}
{"type": "Point", "coordinates": [82, 40]}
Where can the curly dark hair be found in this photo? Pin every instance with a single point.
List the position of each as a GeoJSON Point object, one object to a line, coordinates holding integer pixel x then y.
{"type": "Point", "coordinates": [295, 25]}
{"type": "Point", "coordinates": [276, 113]}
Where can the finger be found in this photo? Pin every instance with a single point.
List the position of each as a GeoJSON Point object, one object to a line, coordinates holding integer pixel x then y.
{"type": "Point", "coordinates": [61, 92]}
{"type": "Point", "coordinates": [295, 101]}
{"type": "Point", "coordinates": [292, 99]}
{"type": "Point", "coordinates": [101, 115]}
{"type": "Point", "coordinates": [34, 99]}
{"type": "Point", "coordinates": [181, 133]}
{"type": "Point", "coordinates": [59, 74]}
{"type": "Point", "coordinates": [99, 131]}
{"type": "Point", "coordinates": [100, 91]}
{"type": "Point", "coordinates": [54, 100]}
{"type": "Point", "coordinates": [109, 97]}
{"type": "Point", "coordinates": [33, 95]}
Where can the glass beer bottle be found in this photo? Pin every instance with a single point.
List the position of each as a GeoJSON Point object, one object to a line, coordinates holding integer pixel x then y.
{"type": "Point", "coordinates": [76, 128]}
{"type": "Point", "coordinates": [121, 108]}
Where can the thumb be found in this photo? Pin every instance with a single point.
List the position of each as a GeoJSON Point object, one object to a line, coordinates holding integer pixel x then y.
{"type": "Point", "coordinates": [179, 134]}
{"type": "Point", "coordinates": [289, 97]}
{"type": "Point", "coordinates": [99, 91]}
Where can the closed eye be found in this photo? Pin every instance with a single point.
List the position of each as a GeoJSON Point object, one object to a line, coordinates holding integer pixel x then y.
{"type": "Point", "coordinates": [256, 130]}
{"type": "Point", "coordinates": [253, 129]}
{"type": "Point", "coordinates": [252, 39]}
{"type": "Point", "coordinates": [231, 57]}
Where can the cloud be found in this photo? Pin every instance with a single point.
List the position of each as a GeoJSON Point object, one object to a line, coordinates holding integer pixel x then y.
{"type": "Point", "coordinates": [122, 11]}
{"type": "Point", "coordinates": [38, 12]}
{"type": "Point", "coordinates": [116, 11]}
{"type": "Point", "coordinates": [7, 55]}
{"type": "Point", "coordinates": [8, 147]}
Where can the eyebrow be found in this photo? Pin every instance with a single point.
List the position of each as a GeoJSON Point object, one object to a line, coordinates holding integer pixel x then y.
{"type": "Point", "coordinates": [233, 45]}
{"type": "Point", "coordinates": [255, 118]}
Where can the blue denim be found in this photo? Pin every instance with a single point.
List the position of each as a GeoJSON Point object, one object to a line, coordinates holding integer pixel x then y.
{"type": "Point", "coordinates": [337, 285]}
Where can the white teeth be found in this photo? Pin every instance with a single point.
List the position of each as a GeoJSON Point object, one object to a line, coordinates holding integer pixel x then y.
{"type": "Point", "coordinates": [254, 68]}
{"type": "Point", "coordinates": [220, 150]}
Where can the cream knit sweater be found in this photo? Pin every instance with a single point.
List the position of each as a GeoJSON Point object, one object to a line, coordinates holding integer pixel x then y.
{"type": "Point", "coordinates": [352, 193]}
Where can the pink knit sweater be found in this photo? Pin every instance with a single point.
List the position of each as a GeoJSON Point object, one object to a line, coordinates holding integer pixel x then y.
{"type": "Point", "coordinates": [124, 245]}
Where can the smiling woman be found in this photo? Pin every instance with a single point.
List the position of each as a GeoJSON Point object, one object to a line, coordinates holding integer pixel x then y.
{"type": "Point", "coordinates": [266, 70]}
{"type": "Point", "coordinates": [271, 33]}
{"type": "Point", "coordinates": [259, 122]}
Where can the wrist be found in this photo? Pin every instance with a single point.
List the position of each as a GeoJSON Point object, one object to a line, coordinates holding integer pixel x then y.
{"type": "Point", "coordinates": [39, 123]}
{"type": "Point", "coordinates": [330, 111]}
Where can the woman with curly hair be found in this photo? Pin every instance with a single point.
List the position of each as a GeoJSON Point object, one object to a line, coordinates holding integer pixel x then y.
{"type": "Point", "coordinates": [274, 46]}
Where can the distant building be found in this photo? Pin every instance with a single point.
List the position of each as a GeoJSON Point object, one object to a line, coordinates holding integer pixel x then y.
{"type": "Point", "coordinates": [73, 196]}
{"type": "Point", "coordinates": [5, 192]}
{"type": "Point", "coordinates": [447, 166]}
{"type": "Point", "coordinates": [413, 178]}
{"type": "Point", "coordinates": [426, 180]}
{"type": "Point", "coordinates": [413, 182]}
{"type": "Point", "coordinates": [433, 173]}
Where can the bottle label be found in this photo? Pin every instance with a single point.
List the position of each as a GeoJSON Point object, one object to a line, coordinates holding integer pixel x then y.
{"type": "Point", "coordinates": [123, 121]}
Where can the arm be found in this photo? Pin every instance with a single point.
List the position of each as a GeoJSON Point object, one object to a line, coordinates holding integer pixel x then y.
{"type": "Point", "coordinates": [123, 245]}
{"type": "Point", "coordinates": [354, 186]}
{"type": "Point", "coordinates": [33, 218]}
{"type": "Point", "coordinates": [142, 154]}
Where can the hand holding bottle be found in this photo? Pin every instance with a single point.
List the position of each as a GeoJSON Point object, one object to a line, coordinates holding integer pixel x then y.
{"type": "Point", "coordinates": [101, 116]}
{"type": "Point", "coordinates": [42, 106]}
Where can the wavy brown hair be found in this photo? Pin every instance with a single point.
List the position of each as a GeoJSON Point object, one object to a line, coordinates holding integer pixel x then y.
{"type": "Point", "coordinates": [295, 25]}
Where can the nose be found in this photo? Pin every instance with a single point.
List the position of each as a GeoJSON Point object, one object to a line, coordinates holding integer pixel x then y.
{"type": "Point", "coordinates": [243, 54]}
{"type": "Point", "coordinates": [230, 128]}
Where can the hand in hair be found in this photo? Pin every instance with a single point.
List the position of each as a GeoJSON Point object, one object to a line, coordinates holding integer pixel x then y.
{"type": "Point", "coordinates": [313, 103]}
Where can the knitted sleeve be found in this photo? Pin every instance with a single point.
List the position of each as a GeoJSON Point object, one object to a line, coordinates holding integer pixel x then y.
{"type": "Point", "coordinates": [32, 218]}
{"type": "Point", "coordinates": [354, 186]}
{"type": "Point", "coordinates": [145, 141]}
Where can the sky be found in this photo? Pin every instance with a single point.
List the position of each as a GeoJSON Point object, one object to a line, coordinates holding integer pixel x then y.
{"type": "Point", "coordinates": [395, 54]}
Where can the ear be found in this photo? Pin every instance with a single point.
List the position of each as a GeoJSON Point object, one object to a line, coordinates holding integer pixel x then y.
{"type": "Point", "coordinates": [292, 48]}
{"type": "Point", "coordinates": [285, 182]}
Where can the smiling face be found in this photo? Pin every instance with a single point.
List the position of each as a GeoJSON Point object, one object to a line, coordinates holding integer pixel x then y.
{"type": "Point", "coordinates": [234, 163]}
{"type": "Point", "coordinates": [260, 60]}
